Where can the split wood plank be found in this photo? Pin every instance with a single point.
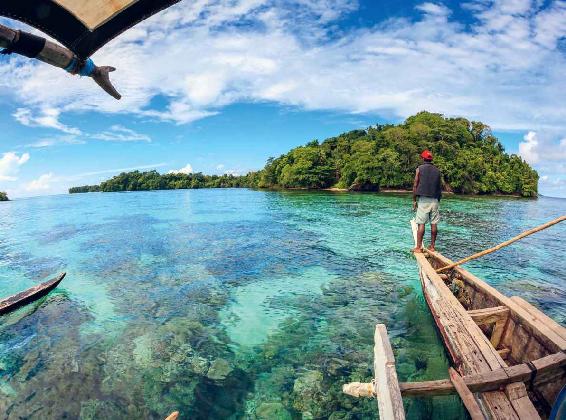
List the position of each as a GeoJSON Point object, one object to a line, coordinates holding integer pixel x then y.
{"type": "Point", "coordinates": [466, 395]}
{"type": "Point", "coordinates": [489, 315]}
{"type": "Point", "coordinates": [517, 394]}
{"type": "Point", "coordinates": [389, 398]}
{"type": "Point", "coordinates": [538, 315]}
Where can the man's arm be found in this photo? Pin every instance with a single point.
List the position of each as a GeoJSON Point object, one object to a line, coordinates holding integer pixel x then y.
{"type": "Point", "coordinates": [415, 185]}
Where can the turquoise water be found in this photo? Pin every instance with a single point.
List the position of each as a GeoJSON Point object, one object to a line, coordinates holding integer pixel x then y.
{"type": "Point", "coordinates": [240, 303]}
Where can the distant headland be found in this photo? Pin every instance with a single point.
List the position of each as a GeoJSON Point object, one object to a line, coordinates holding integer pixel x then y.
{"type": "Point", "coordinates": [382, 157]}
{"type": "Point", "coordinates": [4, 196]}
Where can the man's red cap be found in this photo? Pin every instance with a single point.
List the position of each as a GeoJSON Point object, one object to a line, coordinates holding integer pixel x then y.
{"type": "Point", "coordinates": [426, 155]}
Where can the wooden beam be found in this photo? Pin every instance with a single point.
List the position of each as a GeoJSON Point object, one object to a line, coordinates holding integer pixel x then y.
{"type": "Point", "coordinates": [466, 395]}
{"type": "Point", "coordinates": [540, 316]}
{"type": "Point", "coordinates": [483, 382]}
{"type": "Point", "coordinates": [517, 394]}
{"type": "Point", "coordinates": [489, 315]}
{"type": "Point", "coordinates": [389, 398]}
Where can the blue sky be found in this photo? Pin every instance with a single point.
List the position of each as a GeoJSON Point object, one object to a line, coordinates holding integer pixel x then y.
{"type": "Point", "coordinates": [219, 86]}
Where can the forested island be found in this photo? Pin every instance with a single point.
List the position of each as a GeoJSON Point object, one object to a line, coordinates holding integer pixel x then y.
{"type": "Point", "coordinates": [471, 158]}
{"type": "Point", "coordinates": [4, 196]}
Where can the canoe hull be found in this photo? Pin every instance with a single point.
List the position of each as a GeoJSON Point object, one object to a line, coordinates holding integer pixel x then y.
{"type": "Point", "coordinates": [30, 295]}
{"type": "Point", "coordinates": [506, 332]}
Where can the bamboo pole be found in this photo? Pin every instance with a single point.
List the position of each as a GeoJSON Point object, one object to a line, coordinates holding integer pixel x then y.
{"type": "Point", "coordinates": [503, 244]}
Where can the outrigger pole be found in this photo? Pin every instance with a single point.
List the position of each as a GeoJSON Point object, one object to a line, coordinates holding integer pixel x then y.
{"type": "Point", "coordinates": [33, 46]}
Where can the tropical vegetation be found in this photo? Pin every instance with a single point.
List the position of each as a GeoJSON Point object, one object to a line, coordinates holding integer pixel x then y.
{"type": "Point", "coordinates": [470, 157]}
{"type": "Point", "coordinates": [4, 196]}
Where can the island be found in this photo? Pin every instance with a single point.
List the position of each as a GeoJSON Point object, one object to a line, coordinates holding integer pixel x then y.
{"type": "Point", "coordinates": [381, 157]}
{"type": "Point", "coordinates": [4, 196]}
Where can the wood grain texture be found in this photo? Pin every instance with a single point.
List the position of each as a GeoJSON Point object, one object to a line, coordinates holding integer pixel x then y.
{"type": "Point", "coordinates": [466, 395]}
{"type": "Point", "coordinates": [389, 398]}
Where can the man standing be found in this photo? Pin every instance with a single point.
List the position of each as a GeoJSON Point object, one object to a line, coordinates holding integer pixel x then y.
{"type": "Point", "coordinates": [427, 187]}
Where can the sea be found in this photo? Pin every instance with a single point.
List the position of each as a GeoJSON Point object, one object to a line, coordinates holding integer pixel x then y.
{"type": "Point", "coordinates": [242, 304]}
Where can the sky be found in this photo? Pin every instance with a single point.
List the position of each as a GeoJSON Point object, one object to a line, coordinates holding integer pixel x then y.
{"type": "Point", "coordinates": [219, 86]}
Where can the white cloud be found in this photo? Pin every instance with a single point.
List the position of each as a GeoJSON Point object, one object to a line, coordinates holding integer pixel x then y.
{"type": "Point", "coordinates": [41, 184]}
{"type": "Point", "coordinates": [220, 166]}
{"type": "Point", "coordinates": [46, 117]}
{"type": "Point", "coordinates": [53, 141]}
{"type": "Point", "coordinates": [10, 165]}
{"type": "Point", "coordinates": [196, 57]}
{"type": "Point", "coordinates": [286, 55]}
{"type": "Point", "coordinates": [528, 148]}
{"type": "Point", "coordinates": [120, 133]}
{"type": "Point", "coordinates": [188, 169]}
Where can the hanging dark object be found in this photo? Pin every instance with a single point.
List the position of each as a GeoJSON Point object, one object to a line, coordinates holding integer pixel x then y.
{"type": "Point", "coordinates": [81, 26]}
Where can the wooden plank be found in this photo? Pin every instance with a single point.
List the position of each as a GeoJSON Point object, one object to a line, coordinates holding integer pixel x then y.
{"type": "Point", "coordinates": [389, 398]}
{"type": "Point", "coordinates": [466, 395]}
{"type": "Point", "coordinates": [489, 315]}
{"type": "Point", "coordinates": [547, 369]}
{"type": "Point", "coordinates": [546, 335]}
{"type": "Point", "coordinates": [538, 315]}
{"type": "Point", "coordinates": [33, 293]}
{"type": "Point", "coordinates": [469, 347]}
{"type": "Point", "coordinates": [517, 394]}
{"type": "Point", "coordinates": [498, 332]}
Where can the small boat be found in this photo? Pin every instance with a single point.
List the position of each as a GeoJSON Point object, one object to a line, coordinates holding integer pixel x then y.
{"type": "Point", "coordinates": [510, 355]}
{"type": "Point", "coordinates": [30, 295]}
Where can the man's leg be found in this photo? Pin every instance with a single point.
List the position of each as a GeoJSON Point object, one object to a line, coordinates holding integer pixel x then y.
{"type": "Point", "coordinates": [420, 236]}
{"type": "Point", "coordinates": [433, 233]}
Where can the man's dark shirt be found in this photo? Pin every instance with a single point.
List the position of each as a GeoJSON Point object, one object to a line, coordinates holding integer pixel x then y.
{"type": "Point", "coordinates": [429, 181]}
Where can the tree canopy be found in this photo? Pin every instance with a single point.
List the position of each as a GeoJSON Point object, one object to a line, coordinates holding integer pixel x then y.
{"type": "Point", "coordinates": [4, 196]}
{"type": "Point", "coordinates": [470, 157]}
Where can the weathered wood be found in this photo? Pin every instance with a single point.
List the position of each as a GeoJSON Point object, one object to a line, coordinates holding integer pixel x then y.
{"type": "Point", "coordinates": [27, 296]}
{"type": "Point", "coordinates": [469, 347]}
{"type": "Point", "coordinates": [389, 398]}
{"type": "Point", "coordinates": [489, 315]}
{"type": "Point", "coordinates": [503, 244]}
{"type": "Point", "coordinates": [497, 332]}
{"type": "Point", "coordinates": [548, 336]}
{"type": "Point", "coordinates": [517, 394]}
{"type": "Point", "coordinates": [546, 369]}
{"type": "Point", "coordinates": [466, 395]}
{"type": "Point", "coordinates": [540, 316]}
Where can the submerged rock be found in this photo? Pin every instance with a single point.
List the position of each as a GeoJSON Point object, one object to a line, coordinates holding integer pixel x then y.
{"type": "Point", "coordinates": [219, 370]}
{"type": "Point", "coordinates": [272, 410]}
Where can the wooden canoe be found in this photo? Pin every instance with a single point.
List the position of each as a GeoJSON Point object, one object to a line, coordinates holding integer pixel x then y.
{"type": "Point", "coordinates": [30, 295]}
{"type": "Point", "coordinates": [491, 335]}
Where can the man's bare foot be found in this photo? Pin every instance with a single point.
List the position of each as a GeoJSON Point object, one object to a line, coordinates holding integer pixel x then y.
{"type": "Point", "coordinates": [431, 249]}
{"type": "Point", "coordinates": [418, 250]}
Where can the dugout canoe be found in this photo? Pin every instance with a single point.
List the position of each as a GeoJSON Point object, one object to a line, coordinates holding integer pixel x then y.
{"type": "Point", "coordinates": [30, 295]}
{"type": "Point", "coordinates": [520, 350]}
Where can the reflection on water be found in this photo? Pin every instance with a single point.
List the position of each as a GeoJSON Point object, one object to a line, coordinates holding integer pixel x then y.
{"type": "Point", "coordinates": [238, 303]}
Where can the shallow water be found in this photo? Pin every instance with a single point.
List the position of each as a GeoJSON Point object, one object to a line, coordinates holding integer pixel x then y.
{"type": "Point", "coordinates": [239, 303]}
